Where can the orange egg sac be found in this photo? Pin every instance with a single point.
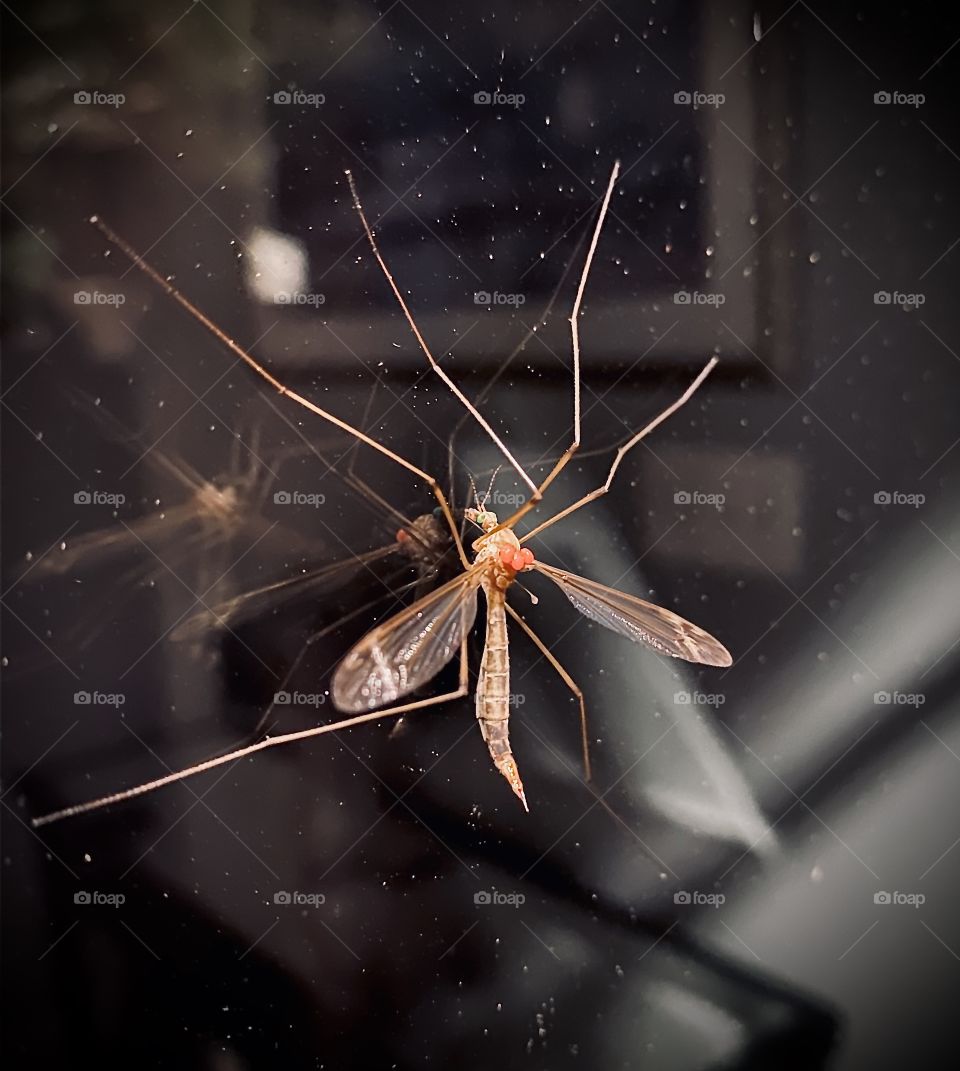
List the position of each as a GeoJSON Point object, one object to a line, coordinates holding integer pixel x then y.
{"type": "Point", "coordinates": [516, 559]}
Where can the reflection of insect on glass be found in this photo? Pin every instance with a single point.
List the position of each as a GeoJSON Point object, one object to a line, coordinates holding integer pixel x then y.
{"type": "Point", "coordinates": [423, 546]}
{"type": "Point", "coordinates": [215, 508]}
{"type": "Point", "coordinates": [410, 649]}
{"type": "Point", "coordinates": [420, 544]}
{"type": "Point", "coordinates": [191, 538]}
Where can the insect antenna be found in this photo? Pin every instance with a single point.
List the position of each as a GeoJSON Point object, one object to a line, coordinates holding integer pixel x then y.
{"type": "Point", "coordinates": [490, 488]}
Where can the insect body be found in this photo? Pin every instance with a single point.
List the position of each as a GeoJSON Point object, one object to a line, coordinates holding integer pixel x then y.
{"type": "Point", "coordinates": [410, 648]}
{"type": "Point", "coordinates": [502, 558]}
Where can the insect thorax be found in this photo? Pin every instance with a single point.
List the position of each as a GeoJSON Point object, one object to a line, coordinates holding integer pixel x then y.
{"type": "Point", "coordinates": [488, 553]}
{"type": "Point", "coordinates": [217, 501]}
{"type": "Point", "coordinates": [430, 538]}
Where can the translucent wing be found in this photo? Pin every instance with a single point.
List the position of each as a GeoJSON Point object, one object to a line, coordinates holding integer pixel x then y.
{"type": "Point", "coordinates": [260, 601]}
{"type": "Point", "coordinates": [640, 621]}
{"type": "Point", "coordinates": [409, 649]}
{"type": "Point", "coordinates": [93, 548]}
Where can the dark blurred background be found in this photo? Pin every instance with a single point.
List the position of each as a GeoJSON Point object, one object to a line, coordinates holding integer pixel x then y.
{"type": "Point", "coordinates": [771, 876]}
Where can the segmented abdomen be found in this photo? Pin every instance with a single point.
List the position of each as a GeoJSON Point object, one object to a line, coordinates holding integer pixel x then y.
{"type": "Point", "coordinates": [493, 684]}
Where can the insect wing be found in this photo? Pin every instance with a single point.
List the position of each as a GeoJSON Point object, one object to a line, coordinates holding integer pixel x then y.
{"type": "Point", "coordinates": [260, 601]}
{"type": "Point", "coordinates": [640, 621]}
{"type": "Point", "coordinates": [409, 649]}
{"type": "Point", "coordinates": [92, 549]}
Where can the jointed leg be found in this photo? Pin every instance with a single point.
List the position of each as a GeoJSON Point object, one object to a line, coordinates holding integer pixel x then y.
{"type": "Point", "coordinates": [274, 741]}
{"type": "Point", "coordinates": [308, 643]}
{"type": "Point", "coordinates": [361, 485]}
{"type": "Point", "coordinates": [575, 338]}
{"type": "Point", "coordinates": [507, 362]}
{"type": "Point", "coordinates": [434, 364]}
{"type": "Point", "coordinates": [253, 457]}
{"type": "Point", "coordinates": [567, 680]}
{"type": "Point", "coordinates": [261, 371]}
{"type": "Point", "coordinates": [599, 797]}
{"type": "Point", "coordinates": [624, 450]}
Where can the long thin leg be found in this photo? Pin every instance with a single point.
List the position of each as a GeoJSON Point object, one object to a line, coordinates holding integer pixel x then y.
{"type": "Point", "coordinates": [588, 780]}
{"type": "Point", "coordinates": [434, 364]}
{"type": "Point", "coordinates": [237, 476]}
{"type": "Point", "coordinates": [360, 484]}
{"type": "Point", "coordinates": [116, 431]}
{"type": "Point", "coordinates": [582, 455]}
{"type": "Point", "coordinates": [315, 637]}
{"type": "Point", "coordinates": [261, 371]}
{"type": "Point", "coordinates": [364, 424]}
{"type": "Point", "coordinates": [505, 364]}
{"type": "Point", "coordinates": [624, 450]}
{"type": "Point", "coordinates": [575, 340]}
{"type": "Point", "coordinates": [567, 680]}
{"type": "Point", "coordinates": [262, 745]}
{"type": "Point", "coordinates": [349, 478]}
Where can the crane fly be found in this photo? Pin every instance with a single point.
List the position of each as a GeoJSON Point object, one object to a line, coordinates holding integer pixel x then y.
{"type": "Point", "coordinates": [423, 543]}
{"type": "Point", "coordinates": [405, 652]}
{"type": "Point", "coordinates": [409, 649]}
